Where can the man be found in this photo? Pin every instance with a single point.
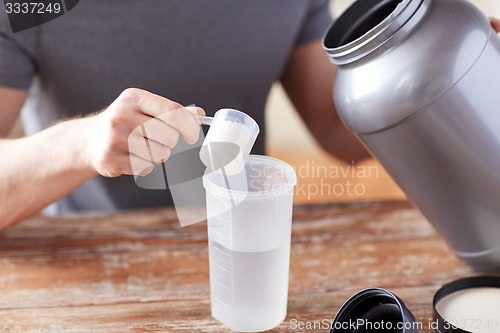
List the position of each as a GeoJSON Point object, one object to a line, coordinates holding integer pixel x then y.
{"type": "Point", "coordinates": [210, 53]}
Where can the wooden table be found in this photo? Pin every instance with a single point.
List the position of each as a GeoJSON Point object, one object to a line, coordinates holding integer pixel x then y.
{"type": "Point", "coordinates": [142, 272]}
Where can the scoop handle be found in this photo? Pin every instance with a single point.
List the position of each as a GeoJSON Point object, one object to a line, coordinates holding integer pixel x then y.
{"type": "Point", "coordinates": [205, 120]}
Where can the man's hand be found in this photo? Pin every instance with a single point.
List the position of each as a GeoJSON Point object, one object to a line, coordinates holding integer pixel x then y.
{"type": "Point", "coordinates": [137, 131]}
{"type": "Point", "coordinates": [495, 23]}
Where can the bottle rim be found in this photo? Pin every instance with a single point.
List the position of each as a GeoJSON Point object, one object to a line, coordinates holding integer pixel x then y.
{"type": "Point", "coordinates": [387, 32]}
{"type": "Point", "coordinates": [260, 162]}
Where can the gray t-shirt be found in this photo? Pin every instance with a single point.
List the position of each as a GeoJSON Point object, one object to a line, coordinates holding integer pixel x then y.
{"type": "Point", "coordinates": [215, 54]}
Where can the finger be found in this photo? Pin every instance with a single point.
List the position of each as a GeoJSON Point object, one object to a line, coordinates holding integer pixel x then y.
{"type": "Point", "coordinates": [148, 150]}
{"type": "Point", "coordinates": [196, 111]}
{"type": "Point", "coordinates": [159, 131]}
{"type": "Point", "coordinates": [495, 23]}
{"type": "Point", "coordinates": [166, 110]}
{"type": "Point", "coordinates": [138, 166]}
{"type": "Point", "coordinates": [148, 103]}
{"type": "Point", "coordinates": [183, 121]}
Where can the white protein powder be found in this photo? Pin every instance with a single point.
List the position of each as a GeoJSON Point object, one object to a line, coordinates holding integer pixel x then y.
{"type": "Point", "coordinates": [474, 309]}
{"type": "Point", "coordinates": [222, 131]}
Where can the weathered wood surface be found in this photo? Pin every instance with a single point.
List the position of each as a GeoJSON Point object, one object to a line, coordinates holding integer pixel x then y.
{"type": "Point", "coordinates": [142, 272]}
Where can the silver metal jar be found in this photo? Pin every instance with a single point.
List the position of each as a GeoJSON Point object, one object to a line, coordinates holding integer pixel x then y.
{"type": "Point", "coordinates": [419, 82]}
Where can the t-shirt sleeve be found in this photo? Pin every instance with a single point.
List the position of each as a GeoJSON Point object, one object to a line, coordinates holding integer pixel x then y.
{"type": "Point", "coordinates": [316, 22]}
{"type": "Point", "coordinates": [17, 67]}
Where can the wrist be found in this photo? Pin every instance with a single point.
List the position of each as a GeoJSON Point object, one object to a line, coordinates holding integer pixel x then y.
{"type": "Point", "coordinates": [79, 134]}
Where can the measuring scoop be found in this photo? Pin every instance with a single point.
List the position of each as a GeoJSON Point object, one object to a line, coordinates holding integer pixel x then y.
{"type": "Point", "coordinates": [229, 141]}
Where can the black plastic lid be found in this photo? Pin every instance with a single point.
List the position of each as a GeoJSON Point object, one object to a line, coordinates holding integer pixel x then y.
{"type": "Point", "coordinates": [374, 310]}
{"type": "Point", "coordinates": [444, 326]}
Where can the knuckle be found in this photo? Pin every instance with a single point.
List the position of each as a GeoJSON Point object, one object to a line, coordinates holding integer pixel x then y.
{"type": "Point", "coordinates": [174, 106]}
{"type": "Point", "coordinates": [130, 96]}
{"type": "Point", "coordinates": [115, 118]}
{"type": "Point", "coordinates": [162, 155]}
{"type": "Point", "coordinates": [116, 121]}
{"type": "Point", "coordinates": [120, 122]}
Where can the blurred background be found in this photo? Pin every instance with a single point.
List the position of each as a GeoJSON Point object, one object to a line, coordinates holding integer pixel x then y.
{"type": "Point", "coordinates": [321, 178]}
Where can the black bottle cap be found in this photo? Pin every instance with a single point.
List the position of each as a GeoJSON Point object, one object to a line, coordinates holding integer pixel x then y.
{"type": "Point", "coordinates": [443, 326]}
{"type": "Point", "coordinates": [374, 310]}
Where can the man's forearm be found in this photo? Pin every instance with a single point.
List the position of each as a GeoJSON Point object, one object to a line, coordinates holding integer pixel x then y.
{"type": "Point", "coordinates": [40, 169]}
{"type": "Point", "coordinates": [342, 143]}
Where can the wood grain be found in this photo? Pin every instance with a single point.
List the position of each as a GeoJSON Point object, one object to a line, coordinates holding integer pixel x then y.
{"type": "Point", "coordinates": [141, 272]}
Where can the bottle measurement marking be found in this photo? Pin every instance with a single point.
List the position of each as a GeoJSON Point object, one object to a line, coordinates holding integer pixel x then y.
{"type": "Point", "coordinates": [222, 284]}
{"type": "Point", "coordinates": [222, 268]}
{"type": "Point", "coordinates": [221, 251]}
{"type": "Point", "coordinates": [219, 235]}
{"type": "Point", "coordinates": [221, 302]}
